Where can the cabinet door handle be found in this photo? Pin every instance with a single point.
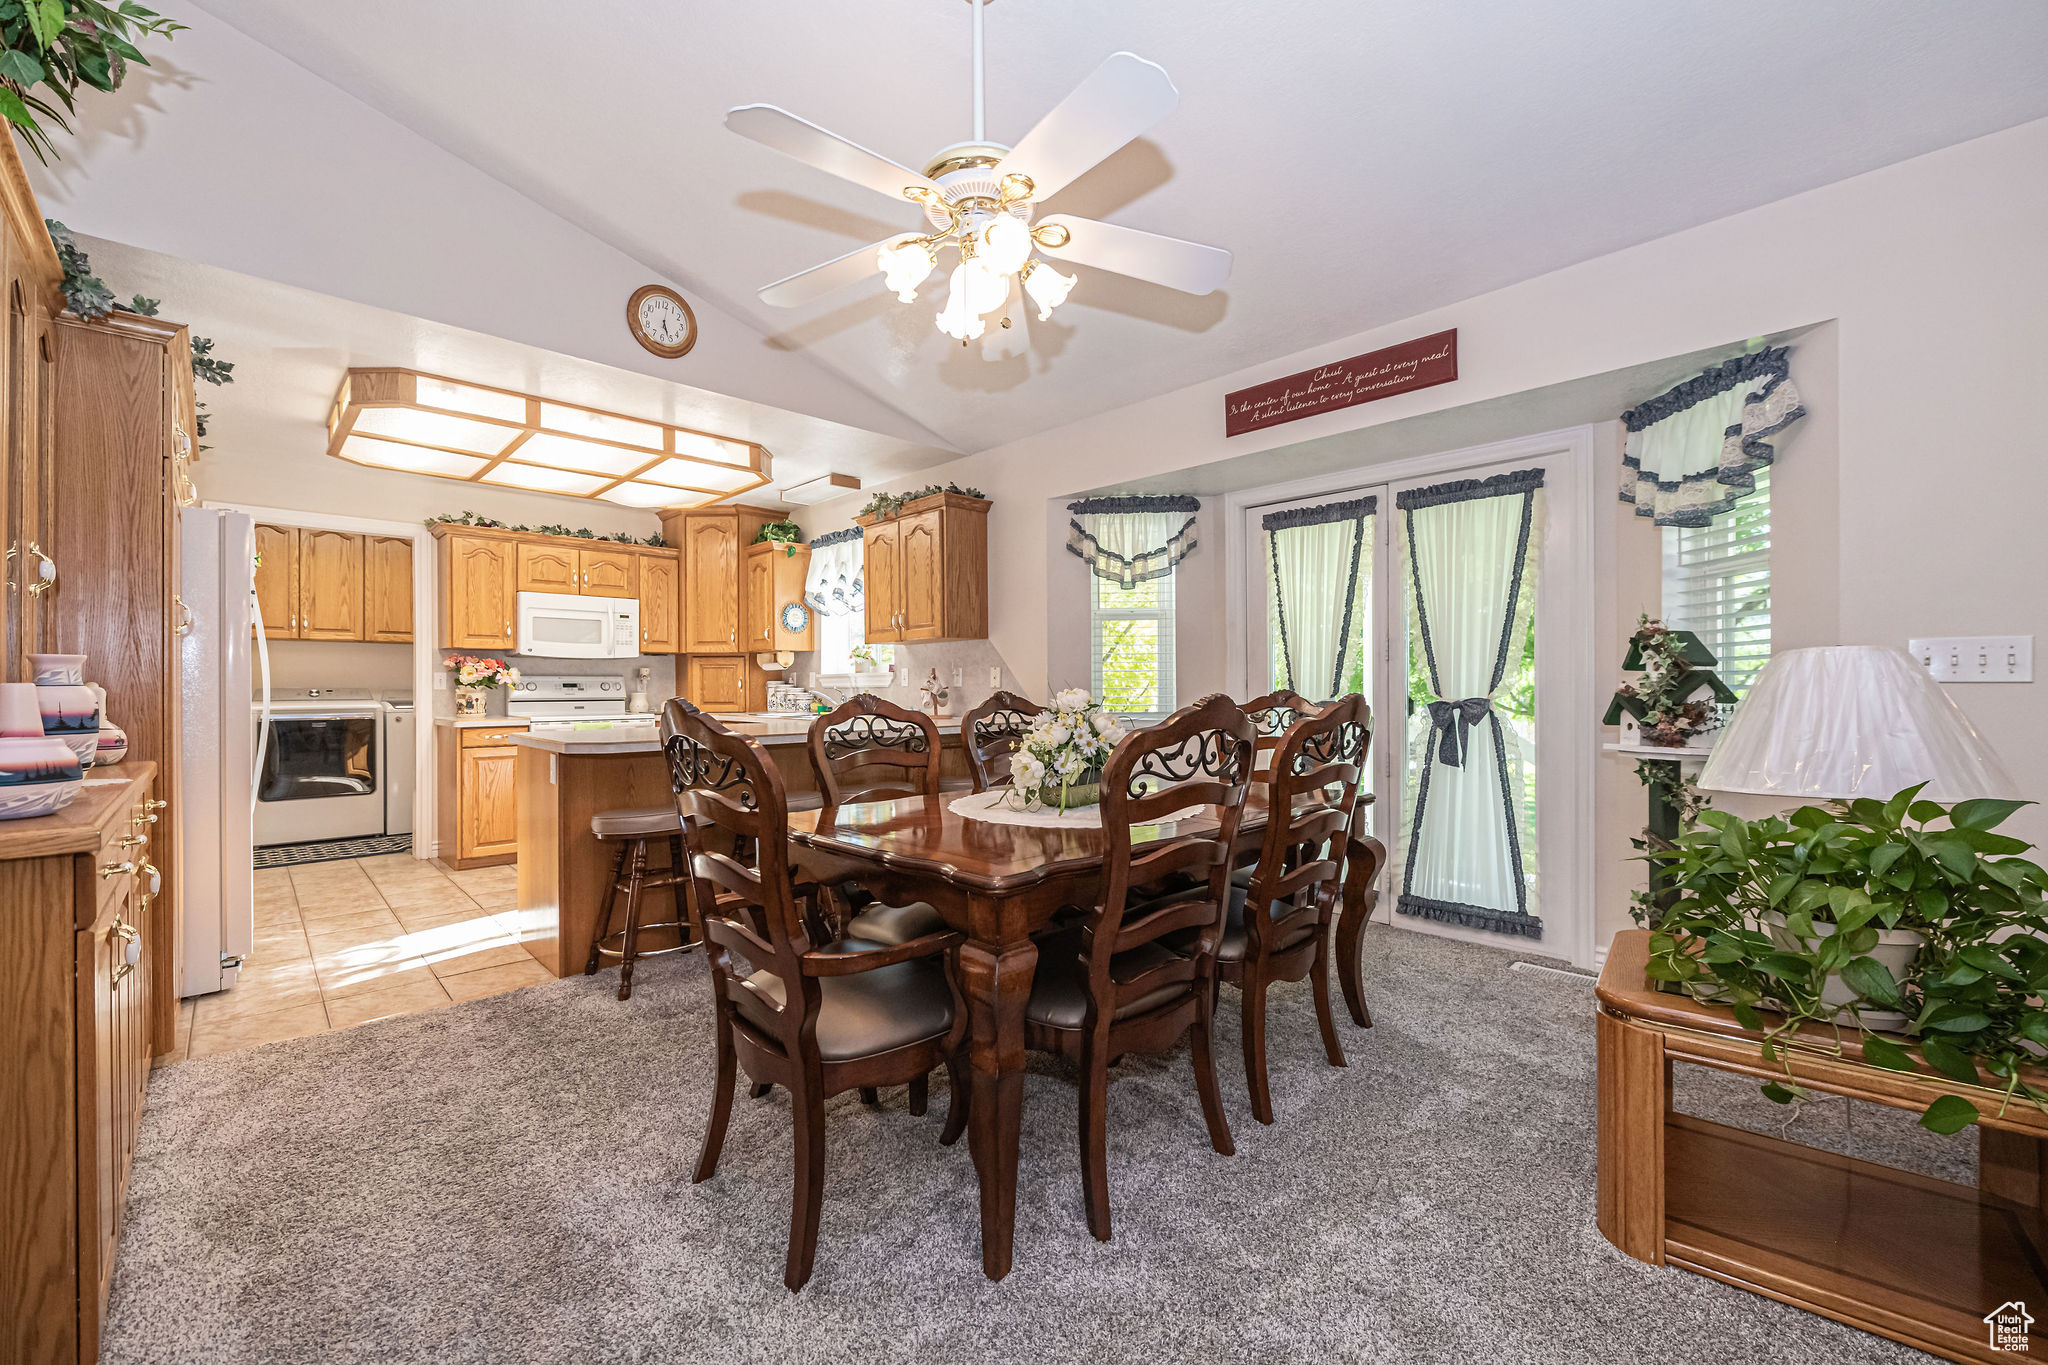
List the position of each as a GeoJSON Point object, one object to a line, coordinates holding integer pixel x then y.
{"type": "Point", "coordinates": [153, 804]}
{"type": "Point", "coordinates": [46, 571]}
{"type": "Point", "coordinates": [132, 840]}
{"type": "Point", "coordinates": [142, 820]}
{"type": "Point", "coordinates": [119, 869]}
{"type": "Point", "coordinates": [185, 618]}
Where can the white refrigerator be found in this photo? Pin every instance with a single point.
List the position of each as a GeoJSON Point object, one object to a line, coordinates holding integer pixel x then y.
{"type": "Point", "coordinates": [224, 664]}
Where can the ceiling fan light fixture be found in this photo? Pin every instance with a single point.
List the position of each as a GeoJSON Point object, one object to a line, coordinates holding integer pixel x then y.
{"type": "Point", "coordinates": [1047, 287]}
{"type": "Point", "coordinates": [959, 319]}
{"type": "Point", "coordinates": [906, 264]}
{"type": "Point", "coordinates": [1005, 244]}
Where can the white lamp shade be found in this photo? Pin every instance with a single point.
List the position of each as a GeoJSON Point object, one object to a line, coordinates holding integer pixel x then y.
{"type": "Point", "coordinates": [1849, 721]}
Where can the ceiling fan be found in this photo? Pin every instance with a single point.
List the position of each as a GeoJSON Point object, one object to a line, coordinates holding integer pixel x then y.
{"type": "Point", "coordinates": [981, 197]}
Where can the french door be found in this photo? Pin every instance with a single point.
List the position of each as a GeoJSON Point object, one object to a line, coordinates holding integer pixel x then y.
{"type": "Point", "coordinates": [1465, 622]}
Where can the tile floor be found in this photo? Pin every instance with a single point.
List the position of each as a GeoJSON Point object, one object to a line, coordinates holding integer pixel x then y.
{"type": "Point", "coordinates": [343, 943]}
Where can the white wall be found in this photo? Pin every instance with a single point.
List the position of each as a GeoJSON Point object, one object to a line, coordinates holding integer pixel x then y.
{"type": "Point", "coordinates": [1927, 468]}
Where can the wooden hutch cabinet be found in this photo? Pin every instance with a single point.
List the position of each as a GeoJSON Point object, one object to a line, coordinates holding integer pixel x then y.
{"type": "Point", "coordinates": [926, 570]}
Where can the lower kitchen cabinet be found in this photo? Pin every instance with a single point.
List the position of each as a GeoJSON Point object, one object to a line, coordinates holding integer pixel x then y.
{"type": "Point", "coordinates": [718, 682]}
{"type": "Point", "coordinates": [77, 948]}
{"type": "Point", "coordinates": [476, 808]}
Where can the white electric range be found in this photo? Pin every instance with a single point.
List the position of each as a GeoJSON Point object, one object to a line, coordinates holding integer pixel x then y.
{"type": "Point", "coordinates": [560, 704]}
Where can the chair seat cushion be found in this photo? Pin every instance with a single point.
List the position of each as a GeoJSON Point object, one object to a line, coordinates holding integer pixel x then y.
{"type": "Point", "coordinates": [1231, 947]}
{"type": "Point", "coordinates": [627, 824]}
{"type": "Point", "coordinates": [1059, 987]}
{"type": "Point", "coordinates": [862, 1014]}
{"type": "Point", "coordinates": [886, 926]}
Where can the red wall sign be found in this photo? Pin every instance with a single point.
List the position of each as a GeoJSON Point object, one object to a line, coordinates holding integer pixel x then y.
{"type": "Point", "coordinates": [1376, 374]}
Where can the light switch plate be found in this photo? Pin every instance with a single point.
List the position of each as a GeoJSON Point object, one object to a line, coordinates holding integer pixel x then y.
{"type": "Point", "coordinates": [440, 680]}
{"type": "Point", "coordinates": [1977, 658]}
{"type": "Point", "coordinates": [995, 679]}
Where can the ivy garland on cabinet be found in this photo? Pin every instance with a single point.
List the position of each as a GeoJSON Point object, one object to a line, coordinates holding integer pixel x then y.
{"type": "Point", "coordinates": [573, 533]}
{"type": "Point", "coordinates": [889, 504]}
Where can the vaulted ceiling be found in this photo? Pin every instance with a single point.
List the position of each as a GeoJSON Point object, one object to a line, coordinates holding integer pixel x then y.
{"type": "Point", "coordinates": [1365, 161]}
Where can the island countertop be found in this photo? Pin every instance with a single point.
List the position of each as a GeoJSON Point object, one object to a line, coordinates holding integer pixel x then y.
{"type": "Point", "coordinates": [771, 732]}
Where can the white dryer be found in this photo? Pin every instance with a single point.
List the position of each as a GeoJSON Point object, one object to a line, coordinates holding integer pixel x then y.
{"type": "Point", "coordinates": [323, 768]}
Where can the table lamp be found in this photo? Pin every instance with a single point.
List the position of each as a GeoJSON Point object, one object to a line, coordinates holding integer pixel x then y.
{"type": "Point", "coordinates": [1846, 721]}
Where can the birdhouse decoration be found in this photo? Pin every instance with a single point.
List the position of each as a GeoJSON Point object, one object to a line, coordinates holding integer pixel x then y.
{"type": "Point", "coordinates": [1677, 700]}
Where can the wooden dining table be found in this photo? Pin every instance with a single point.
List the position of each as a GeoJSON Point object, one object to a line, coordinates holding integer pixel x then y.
{"type": "Point", "coordinates": [998, 884]}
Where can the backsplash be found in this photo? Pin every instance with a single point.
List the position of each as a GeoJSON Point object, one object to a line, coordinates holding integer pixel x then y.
{"type": "Point", "coordinates": [661, 683]}
{"type": "Point", "coordinates": [914, 663]}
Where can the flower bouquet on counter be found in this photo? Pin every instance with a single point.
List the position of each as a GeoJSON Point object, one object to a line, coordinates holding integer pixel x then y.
{"type": "Point", "coordinates": [1059, 760]}
{"type": "Point", "coordinates": [474, 675]}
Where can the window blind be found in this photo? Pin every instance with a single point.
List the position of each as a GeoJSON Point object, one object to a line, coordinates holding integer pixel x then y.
{"type": "Point", "coordinates": [1132, 646]}
{"type": "Point", "coordinates": [1717, 584]}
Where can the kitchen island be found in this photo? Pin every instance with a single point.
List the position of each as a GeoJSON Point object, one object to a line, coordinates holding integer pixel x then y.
{"type": "Point", "coordinates": [564, 778]}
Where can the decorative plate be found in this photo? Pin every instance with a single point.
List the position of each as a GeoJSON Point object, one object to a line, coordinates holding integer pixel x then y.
{"type": "Point", "coordinates": [795, 616]}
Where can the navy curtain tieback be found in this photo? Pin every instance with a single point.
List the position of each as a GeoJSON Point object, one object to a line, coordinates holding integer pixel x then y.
{"type": "Point", "coordinates": [1456, 719]}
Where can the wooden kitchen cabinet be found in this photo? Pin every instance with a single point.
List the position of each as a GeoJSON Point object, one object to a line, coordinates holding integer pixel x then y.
{"type": "Point", "coordinates": [661, 602]}
{"type": "Point", "coordinates": [477, 810]}
{"type": "Point", "coordinates": [387, 589]}
{"type": "Point", "coordinates": [926, 571]}
{"type": "Point", "coordinates": [330, 585]}
{"type": "Point", "coordinates": [479, 582]}
{"type": "Point", "coordinates": [277, 580]}
{"type": "Point", "coordinates": [78, 970]}
{"type": "Point", "coordinates": [712, 543]}
{"type": "Point", "coordinates": [609, 573]}
{"type": "Point", "coordinates": [775, 574]}
{"type": "Point", "coordinates": [718, 682]}
{"type": "Point", "coordinates": [547, 566]}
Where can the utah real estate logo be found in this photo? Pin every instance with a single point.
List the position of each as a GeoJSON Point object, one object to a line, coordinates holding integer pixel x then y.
{"type": "Point", "coordinates": [2009, 1323]}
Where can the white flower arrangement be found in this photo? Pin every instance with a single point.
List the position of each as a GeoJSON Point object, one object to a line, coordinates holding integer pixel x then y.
{"type": "Point", "coordinates": [1062, 751]}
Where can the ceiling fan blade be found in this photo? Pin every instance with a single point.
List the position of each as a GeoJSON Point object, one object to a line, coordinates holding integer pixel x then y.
{"type": "Point", "coordinates": [1119, 100]}
{"type": "Point", "coordinates": [1187, 266]}
{"type": "Point", "coordinates": [812, 145]}
{"type": "Point", "coordinates": [821, 280]}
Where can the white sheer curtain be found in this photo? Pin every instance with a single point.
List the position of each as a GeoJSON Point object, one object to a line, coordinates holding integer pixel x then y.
{"type": "Point", "coordinates": [1694, 451]}
{"type": "Point", "coordinates": [1469, 553]}
{"type": "Point", "coordinates": [1128, 540]}
{"type": "Point", "coordinates": [1315, 555]}
{"type": "Point", "coordinates": [833, 586]}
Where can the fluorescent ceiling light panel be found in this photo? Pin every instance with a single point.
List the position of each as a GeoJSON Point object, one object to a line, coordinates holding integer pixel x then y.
{"type": "Point", "coordinates": [545, 480]}
{"type": "Point", "coordinates": [711, 448]}
{"type": "Point", "coordinates": [644, 495]}
{"type": "Point", "coordinates": [446, 393]}
{"type": "Point", "coordinates": [435, 429]}
{"type": "Point", "coordinates": [603, 425]}
{"type": "Point", "coordinates": [692, 474]}
{"type": "Point", "coordinates": [824, 488]}
{"type": "Point", "coordinates": [545, 447]}
{"type": "Point", "coordinates": [410, 459]}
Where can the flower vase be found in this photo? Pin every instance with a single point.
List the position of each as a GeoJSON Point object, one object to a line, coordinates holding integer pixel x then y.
{"type": "Point", "coordinates": [470, 701]}
{"type": "Point", "coordinates": [1085, 790]}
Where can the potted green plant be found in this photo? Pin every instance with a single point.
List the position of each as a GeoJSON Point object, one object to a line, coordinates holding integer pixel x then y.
{"type": "Point", "coordinates": [1869, 915]}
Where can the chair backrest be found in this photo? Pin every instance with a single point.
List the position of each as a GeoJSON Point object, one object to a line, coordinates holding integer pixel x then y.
{"type": "Point", "coordinates": [990, 734]}
{"type": "Point", "coordinates": [1273, 713]}
{"type": "Point", "coordinates": [1312, 795]}
{"type": "Point", "coordinates": [1200, 756]}
{"type": "Point", "coordinates": [725, 785]}
{"type": "Point", "coordinates": [870, 749]}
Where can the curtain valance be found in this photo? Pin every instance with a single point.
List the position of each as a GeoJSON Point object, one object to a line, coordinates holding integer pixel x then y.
{"type": "Point", "coordinates": [1693, 452]}
{"type": "Point", "coordinates": [1350, 510]}
{"type": "Point", "coordinates": [1131, 539]}
{"type": "Point", "coordinates": [833, 586]}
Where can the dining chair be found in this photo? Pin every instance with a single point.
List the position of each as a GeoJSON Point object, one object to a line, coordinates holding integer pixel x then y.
{"type": "Point", "coordinates": [1311, 803]}
{"type": "Point", "coordinates": [992, 732]}
{"type": "Point", "coordinates": [870, 749]}
{"type": "Point", "coordinates": [1111, 984]}
{"type": "Point", "coordinates": [812, 1015]}
{"type": "Point", "coordinates": [1272, 714]}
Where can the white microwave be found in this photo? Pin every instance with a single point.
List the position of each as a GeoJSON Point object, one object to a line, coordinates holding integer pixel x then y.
{"type": "Point", "coordinates": [560, 625]}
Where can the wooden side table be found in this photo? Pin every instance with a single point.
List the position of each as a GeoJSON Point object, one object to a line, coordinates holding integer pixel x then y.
{"type": "Point", "coordinates": [1918, 1260]}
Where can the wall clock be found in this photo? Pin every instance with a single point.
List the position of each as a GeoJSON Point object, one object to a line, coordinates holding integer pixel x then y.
{"type": "Point", "coordinates": [795, 616]}
{"type": "Point", "coordinates": [661, 321]}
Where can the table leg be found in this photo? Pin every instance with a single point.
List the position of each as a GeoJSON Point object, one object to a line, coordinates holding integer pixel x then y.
{"type": "Point", "coordinates": [1634, 1102]}
{"type": "Point", "coordinates": [1363, 860]}
{"type": "Point", "coordinates": [996, 982]}
{"type": "Point", "coordinates": [2013, 1166]}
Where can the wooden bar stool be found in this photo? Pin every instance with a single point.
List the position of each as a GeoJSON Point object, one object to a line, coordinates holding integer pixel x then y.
{"type": "Point", "coordinates": [631, 830]}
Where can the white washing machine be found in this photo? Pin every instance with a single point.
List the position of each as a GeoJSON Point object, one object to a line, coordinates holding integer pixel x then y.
{"type": "Point", "coordinates": [323, 769]}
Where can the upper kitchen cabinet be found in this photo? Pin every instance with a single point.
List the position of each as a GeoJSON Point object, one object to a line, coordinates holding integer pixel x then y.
{"type": "Point", "coordinates": [330, 585]}
{"type": "Point", "coordinates": [775, 573]}
{"type": "Point", "coordinates": [387, 589]}
{"type": "Point", "coordinates": [926, 570]}
{"type": "Point", "coordinates": [551, 565]}
{"type": "Point", "coordinates": [479, 584]}
{"type": "Point", "coordinates": [661, 602]}
{"type": "Point", "coordinates": [712, 542]}
{"type": "Point", "coordinates": [277, 580]}
{"type": "Point", "coordinates": [609, 573]}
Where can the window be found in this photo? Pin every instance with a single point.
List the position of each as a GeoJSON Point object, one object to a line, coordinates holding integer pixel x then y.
{"type": "Point", "coordinates": [1717, 584]}
{"type": "Point", "coordinates": [1133, 646]}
